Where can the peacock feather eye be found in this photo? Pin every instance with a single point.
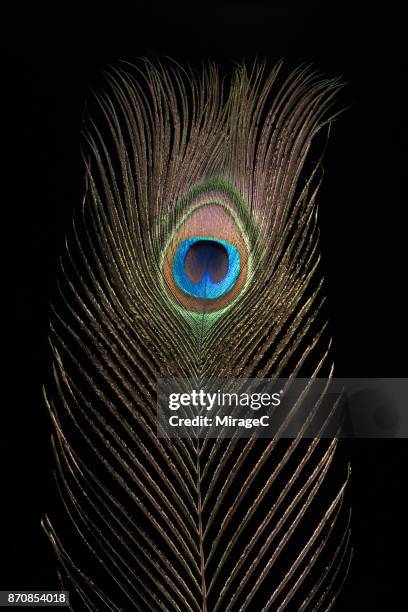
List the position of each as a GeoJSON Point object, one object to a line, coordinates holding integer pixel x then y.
{"type": "Point", "coordinates": [206, 268]}
{"type": "Point", "coordinates": [206, 262]}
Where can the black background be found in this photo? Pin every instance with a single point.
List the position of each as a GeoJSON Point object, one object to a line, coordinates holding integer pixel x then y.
{"type": "Point", "coordinates": [51, 57]}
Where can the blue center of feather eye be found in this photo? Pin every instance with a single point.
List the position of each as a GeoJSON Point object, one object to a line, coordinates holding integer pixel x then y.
{"type": "Point", "coordinates": [206, 268]}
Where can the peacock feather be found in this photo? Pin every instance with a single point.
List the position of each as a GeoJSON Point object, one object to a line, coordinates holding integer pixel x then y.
{"type": "Point", "coordinates": [194, 254]}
